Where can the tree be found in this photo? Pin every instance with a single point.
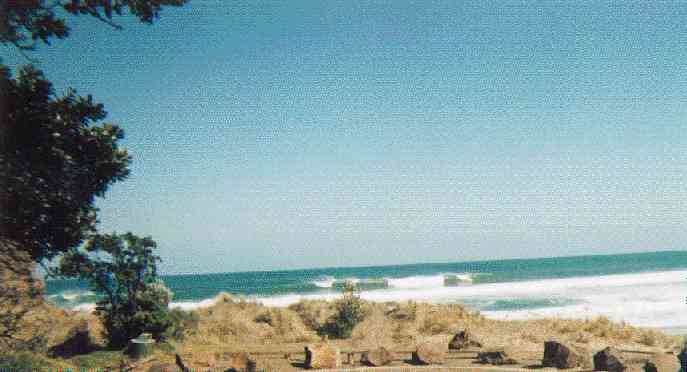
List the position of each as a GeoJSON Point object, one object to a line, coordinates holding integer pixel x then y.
{"type": "Point", "coordinates": [54, 160]}
{"type": "Point", "coordinates": [123, 268]}
{"type": "Point", "coordinates": [25, 22]}
{"type": "Point", "coordinates": [53, 163]}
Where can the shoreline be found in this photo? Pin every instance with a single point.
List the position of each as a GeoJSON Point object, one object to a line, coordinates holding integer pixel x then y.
{"type": "Point", "coordinates": [677, 330]}
{"type": "Point", "coordinates": [650, 300]}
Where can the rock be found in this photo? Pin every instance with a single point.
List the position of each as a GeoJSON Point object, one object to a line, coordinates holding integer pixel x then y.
{"type": "Point", "coordinates": [162, 367]}
{"type": "Point", "coordinates": [323, 355]}
{"type": "Point", "coordinates": [462, 340]}
{"type": "Point", "coordinates": [377, 357]}
{"type": "Point", "coordinates": [560, 356]}
{"type": "Point", "coordinates": [610, 360]}
{"type": "Point", "coordinates": [431, 352]}
{"type": "Point", "coordinates": [662, 363]}
{"type": "Point", "coordinates": [495, 357]}
{"type": "Point", "coordinates": [241, 362]}
{"type": "Point", "coordinates": [78, 342]}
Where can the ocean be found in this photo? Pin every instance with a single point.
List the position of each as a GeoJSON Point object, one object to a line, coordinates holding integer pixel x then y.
{"type": "Point", "coordinates": [643, 289]}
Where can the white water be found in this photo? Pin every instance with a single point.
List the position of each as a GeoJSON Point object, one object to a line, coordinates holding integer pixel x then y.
{"type": "Point", "coordinates": [654, 300]}
{"type": "Point", "coordinates": [647, 299]}
{"type": "Point", "coordinates": [410, 282]}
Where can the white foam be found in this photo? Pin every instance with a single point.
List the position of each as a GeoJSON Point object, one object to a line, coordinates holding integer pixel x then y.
{"type": "Point", "coordinates": [326, 282]}
{"type": "Point", "coordinates": [644, 299]}
{"type": "Point", "coordinates": [417, 282]}
{"type": "Point", "coordinates": [72, 295]}
{"type": "Point", "coordinates": [190, 305]}
{"type": "Point", "coordinates": [88, 308]}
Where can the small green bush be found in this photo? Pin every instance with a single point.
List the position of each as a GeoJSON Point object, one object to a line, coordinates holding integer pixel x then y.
{"type": "Point", "coordinates": [181, 322]}
{"type": "Point", "coordinates": [350, 310]}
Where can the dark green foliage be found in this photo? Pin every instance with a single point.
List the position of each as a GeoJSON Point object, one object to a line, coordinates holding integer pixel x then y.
{"type": "Point", "coordinates": [124, 269]}
{"type": "Point", "coordinates": [181, 322]}
{"type": "Point", "coordinates": [264, 317]}
{"type": "Point", "coordinates": [53, 163]}
{"type": "Point", "coordinates": [24, 362]}
{"type": "Point", "coordinates": [25, 22]}
{"type": "Point", "coordinates": [350, 310]}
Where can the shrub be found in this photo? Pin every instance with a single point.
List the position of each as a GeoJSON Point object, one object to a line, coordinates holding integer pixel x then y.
{"type": "Point", "coordinates": [265, 317]}
{"type": "Point", "coordinates": [181, 322]}
{"type": "Point", "coordinates": [350, 310]}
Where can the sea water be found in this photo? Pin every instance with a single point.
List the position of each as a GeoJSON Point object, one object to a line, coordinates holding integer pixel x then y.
{"type": "Point", "coordinates": [644, 289]}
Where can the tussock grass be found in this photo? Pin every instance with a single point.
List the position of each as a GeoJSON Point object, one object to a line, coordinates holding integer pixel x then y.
{"type": "Point", "coordinates": [236, 324]}
{"type": "Point", "coordinates": [240, 322]}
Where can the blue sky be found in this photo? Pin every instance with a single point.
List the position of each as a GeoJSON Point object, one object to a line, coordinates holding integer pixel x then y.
{"type": "Point", "coordinates": [278, 135]}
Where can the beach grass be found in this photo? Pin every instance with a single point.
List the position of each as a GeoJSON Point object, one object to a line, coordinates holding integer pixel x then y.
{"type": "Point", "coordinates": [238, 325]}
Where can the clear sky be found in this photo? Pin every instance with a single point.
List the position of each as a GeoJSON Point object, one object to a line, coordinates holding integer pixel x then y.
{"type": "Point", "coordinates": [291, 134]}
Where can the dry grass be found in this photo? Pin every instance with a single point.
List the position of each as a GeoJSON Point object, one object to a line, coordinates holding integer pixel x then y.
{"type": "Point", "coordinates": [233, 325]}
{"type": "Point", "coordinates": [232, 322]}
{"type": "Point", "coordinates": [239, 322]}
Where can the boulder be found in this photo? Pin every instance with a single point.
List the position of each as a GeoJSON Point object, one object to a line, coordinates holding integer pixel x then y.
{"type": "Point", "coordinates": [323, 355]}
{"type": "Point", "coordinates": [377, 357]}
{"type": "Point", "coordinates": [495, 357]}
{"type": "Point", "coordinates": [430, 352]}
{"type": "Point", "coordinates": [78, 342]}
{"type": "Point", "coordinates": [560, 356]}
{"type": "Point", "coordinates": [241, 362]}
{"type": "Point", "coordinates": [609, 359]}
{"type": "Point", "coordinates": [662, 363]}
{"type": "Point", "coordinates": [463, 340]}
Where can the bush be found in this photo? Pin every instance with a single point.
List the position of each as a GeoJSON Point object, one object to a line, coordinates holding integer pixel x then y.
{"type": "Point", "coordinates": [181, 322]}
{"type": "Point", "coordinates": [265, 317]}
{"type": "Point", "coordinates": [350, 310]}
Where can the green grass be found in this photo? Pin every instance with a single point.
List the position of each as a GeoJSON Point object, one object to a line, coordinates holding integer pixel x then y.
{"type": "Point", "coordinates": [27, 362]}
{"type": "Point", "coordinates": [98, 360]}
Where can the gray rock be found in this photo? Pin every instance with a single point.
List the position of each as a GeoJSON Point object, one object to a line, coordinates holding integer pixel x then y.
{"type": "Point", "coordinates": [495, 357]}
{"type": "Point", "coordinates": [609, 359]}
{"type": "Point", "coordinates": [662, 363]}
{"type": "Point", "coordinates": [377, 357]}
{"type": "Point", "coordinates": [430, 353]}
{"type": "Point", "coordinates": [463, 340]}
{"type": "Point", "coordinates": [560, 356]}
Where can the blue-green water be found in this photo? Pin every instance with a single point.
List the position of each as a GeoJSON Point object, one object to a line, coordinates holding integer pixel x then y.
{"type": "Point", "coordinates": [646, 288]}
